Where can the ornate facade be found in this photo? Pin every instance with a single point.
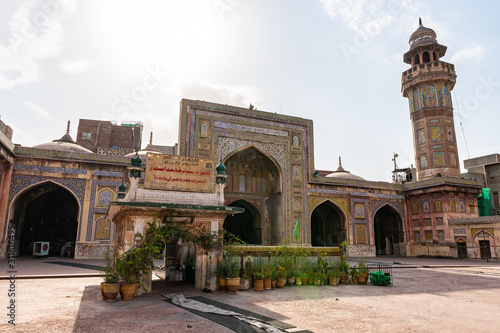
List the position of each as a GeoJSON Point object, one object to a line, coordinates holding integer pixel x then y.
{"type": "Point", "coordinates": [269, 160]}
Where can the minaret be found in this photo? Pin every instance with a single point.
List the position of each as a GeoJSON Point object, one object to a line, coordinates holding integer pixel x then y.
{"type": "Point", "coordinates": [427, 85]}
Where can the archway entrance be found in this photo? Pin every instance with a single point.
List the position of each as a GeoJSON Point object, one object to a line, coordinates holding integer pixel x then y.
{"type": "Point", "coordinates": [327, 225]}
{"type": "Point", "coordinates": [253, 180]}
{"type": "Point", "coordinates": [245, 225]}
{"type": "Point", "coordinates": [388, 231]}
{"type": "Point", "coordinates": [461, 248]}
{"type": "Point", "coordinates": [46, 212]}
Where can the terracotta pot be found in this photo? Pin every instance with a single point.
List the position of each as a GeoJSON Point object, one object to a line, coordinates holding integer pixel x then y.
{"type": "Point", "coordinates": [324, 279]}
{"type": "Point", "coordinates": [223, 285]}
{"type": "Point", "coordinates": [362, 280]}
{"type": "Point", "coordinates": [127, 291]}
{"type": "Point", "coordinates": [304, 281]}
{"type": "Point", "coordinates": [258, 285]}
{"type": "Point", "coordinates": [290, 281]}
{"type": "Point", "coordinates": [273, 284]}
{"type": "Point", "coordinates": [355, 280]}
{"type": "Point", "coordinates": [110, 291]}
{"type": "Point", "coordinates": [310, 281]}
{"type": "Point", "coordinates": [317, 282]}
{"type": "Point", "coordinates": [267, 284]}
{"type": "Point", "coordinates": [281, 283]}
{"type": "Point", "coordinates": [232, 285]}
{"type": "Point", "coordinates": [343, 277]}
{"type": "Point", "coordinates": [298, 281]}
{"type": "Point", "coordinates": [333, 280]}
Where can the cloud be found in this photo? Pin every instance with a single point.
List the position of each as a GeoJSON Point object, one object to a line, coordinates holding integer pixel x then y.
{"type": "Point", "coordinates": [35, 32]}
{"type": "Point", "coordinates": [366, 17]}
{"type": "Point", "coordinates": [75, 66]}
{"type": "Point", "coordinates": [37, 109]}
{"type": "Point", "coordinates": [473, 53]}
{"type": "Point", "coordinates": [232, 95]}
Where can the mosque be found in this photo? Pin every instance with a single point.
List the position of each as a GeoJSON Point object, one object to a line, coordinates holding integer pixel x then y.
{"type": "Point", "coordinates": [67, 191]}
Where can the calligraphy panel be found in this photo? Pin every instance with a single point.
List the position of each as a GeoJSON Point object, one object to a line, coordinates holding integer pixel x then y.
{"type": "Point", "coordinates": [178, 173]}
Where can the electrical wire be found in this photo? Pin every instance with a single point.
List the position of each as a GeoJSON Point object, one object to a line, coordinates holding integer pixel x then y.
{"type": "Point", "coordinates": [461, 125]}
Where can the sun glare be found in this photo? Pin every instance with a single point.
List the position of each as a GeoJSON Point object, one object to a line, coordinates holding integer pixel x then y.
{"type": "Point", "coordinates": [167, 33]}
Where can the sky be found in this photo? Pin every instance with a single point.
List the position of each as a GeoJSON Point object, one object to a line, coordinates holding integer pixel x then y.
{"type": "Point", "coordinates": [338, 63]}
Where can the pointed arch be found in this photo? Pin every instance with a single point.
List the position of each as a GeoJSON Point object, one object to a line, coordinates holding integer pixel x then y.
{"type": "Point", "coordinates": [246, 225]}
{"type": "Point", "coordinates": [388, 230]}
{"type": "Point", "coordinates": [45, 211]}
{"type": "Point", "coordinates": [328, 224]}
{"type": "Point", "coordinates": [273, 166]}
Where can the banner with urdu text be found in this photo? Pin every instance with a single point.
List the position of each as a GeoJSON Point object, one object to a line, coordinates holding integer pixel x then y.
{"type": "Point", "coordinates": [178, 173]}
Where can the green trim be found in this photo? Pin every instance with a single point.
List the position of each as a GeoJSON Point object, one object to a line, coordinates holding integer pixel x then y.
{"type": "Point", "coordinates": [179, 206]}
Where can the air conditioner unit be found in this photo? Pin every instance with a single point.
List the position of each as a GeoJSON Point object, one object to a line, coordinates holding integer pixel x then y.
{"type": "Point", "coordinates": [41, 249]}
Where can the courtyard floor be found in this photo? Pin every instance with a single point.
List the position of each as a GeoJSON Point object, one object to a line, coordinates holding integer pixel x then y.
{"type": "Point", "coordinates": [428, 295]}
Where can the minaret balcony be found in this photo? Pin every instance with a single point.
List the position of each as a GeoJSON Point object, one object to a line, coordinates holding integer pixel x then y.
{"type": "Point", "coordinates": [435, 70]}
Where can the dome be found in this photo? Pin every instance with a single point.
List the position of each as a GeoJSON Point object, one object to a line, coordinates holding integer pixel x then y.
{"type": "Point", "coordinates": [143, 153]}
{"type": "Point", "coordinates": [422, 36]}
{"type": "Point", "coordinates": [63, 146]}
{"type": "Point", "coordinates": [65, 143]}
{"type": "Point", "coordinates": [343, 174]}
{"type": "Point", "coordinates": [221, 169]}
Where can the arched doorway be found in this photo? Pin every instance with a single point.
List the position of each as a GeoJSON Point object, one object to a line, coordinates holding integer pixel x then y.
{"type": "Point", "coordinates": [46, 212]}
{"type": "Point", "coordinates": [254, 179]}
{"type": "Point", "coordinates": [327, 225]}
{"type": "Point", "coordinates": [388, 231]}
{"type": "Point", "coordinates": [461, 248]}
{"type": "Point", "coordinates": [245, 225]}
{"type": "Point", "coordinates": [484, 241]}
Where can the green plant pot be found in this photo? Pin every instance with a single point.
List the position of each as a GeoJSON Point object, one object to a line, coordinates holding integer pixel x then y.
{"type": "Point", "coordinates": [298, 281]}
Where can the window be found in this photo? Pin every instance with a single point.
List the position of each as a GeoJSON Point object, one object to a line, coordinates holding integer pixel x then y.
{"type": "Point", "coordinates": [242, 183]}
{"type": "Point", "coordinates": [86, 136]}
{"type": "Point", "coordinates": [441, 236]}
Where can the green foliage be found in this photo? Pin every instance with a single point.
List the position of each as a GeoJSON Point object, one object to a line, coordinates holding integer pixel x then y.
{"type": "Point", "coordinates": [362, 265]}
{"type": "Point", "coordinates": [258, 276]}
{"type": "Point", "coordinates": [248, 269]}
{"type": "Point", "coordinates": [333, 272]}
{"type": "Point", "coordinates": [354, 272]}
{"type": "Point", "coordinates": [233, 267]}
{"type": "Point", "coordinates": [322, 262]}
{"type": "Point", "coordinates": [109, 273]}
{"type": "Point", "coordinates": [138, 261]}
{"type": "Point", "coordinates": [221, 270]}
{"type": "Point", "coordinates": [268, 270]}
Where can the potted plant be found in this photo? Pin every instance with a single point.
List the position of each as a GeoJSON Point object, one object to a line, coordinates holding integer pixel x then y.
{"type": "Point", "coordinates": [268, 274]}
{"type": "Point", "coordinates": [318, 278]}
{"type": "Point", "coordinates": [258, 281]}
{"type": "Point", "coordinates": [247, 274]}
{"type": "Point", "coordinates": [258, 274]}
{"type": "Point", "coordinates": [221, 273]}
{"type": "Point", "coordinates": [128, 269]}
{"type": "Point", "coordinates": [290, 277]}
{"type": "Point", "coordinates": [333, 276]}
{"type": "Point", "coordinates": [322, 267]}
{"type": "Point", "coordinates": [363, 271]}
{"type": "Point", "coordinates": [110, 286]}
{"type": "Point", "coordinates": [233, 275]}
{"type": "Point", "coordinates": [281, 276]}
{"type": "Point", "coordinates": [354, 274]}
